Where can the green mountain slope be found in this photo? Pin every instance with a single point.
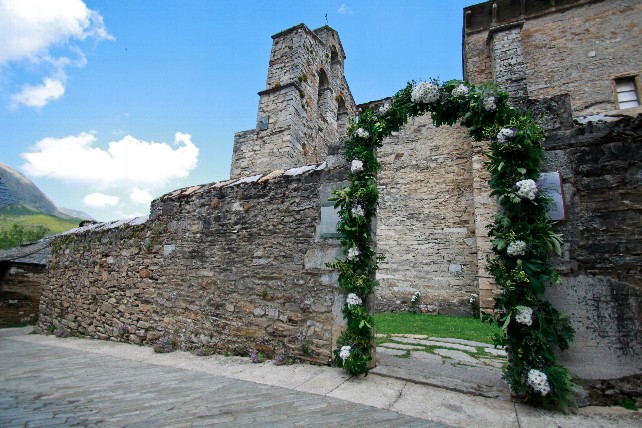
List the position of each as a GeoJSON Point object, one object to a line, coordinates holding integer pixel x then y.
{"type": "Point", "coordinates": [27, 214]}
{"type": "Point", "coordinates": [26, 217]}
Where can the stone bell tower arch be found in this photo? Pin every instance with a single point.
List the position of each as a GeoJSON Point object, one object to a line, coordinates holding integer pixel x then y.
{"type": "Point", "coordinates": [306, 104]}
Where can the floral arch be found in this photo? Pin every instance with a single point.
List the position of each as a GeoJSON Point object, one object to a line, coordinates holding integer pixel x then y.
{"type": "Point", "coordinates": [523, 236]}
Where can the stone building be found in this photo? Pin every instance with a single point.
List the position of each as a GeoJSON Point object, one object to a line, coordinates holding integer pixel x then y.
{"type": "Point", "coordinates": [22, 273]}
{"type": "Point", "coordinates": [305, 106]}
{"type": "Point", "coordinates": [241, 264]}
{"type": "Point", "coordinates": [575, 62]}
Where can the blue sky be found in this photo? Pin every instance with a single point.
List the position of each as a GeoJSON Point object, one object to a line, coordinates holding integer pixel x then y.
{"type": "Point", "coordinates": [107, 104]}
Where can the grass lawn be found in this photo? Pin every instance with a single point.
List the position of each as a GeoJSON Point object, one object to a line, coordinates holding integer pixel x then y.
{"type": "Point", "coordinates": [467, 328]}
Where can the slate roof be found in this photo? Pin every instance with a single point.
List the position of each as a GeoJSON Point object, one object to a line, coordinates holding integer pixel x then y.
{"type": "Point", "coordinates": [6, 197]}
{"type": "Point", "coordinates": [37, 253]}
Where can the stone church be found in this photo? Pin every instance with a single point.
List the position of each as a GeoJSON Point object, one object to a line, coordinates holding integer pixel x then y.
{"type": "Point", "coordinates": [577, 63]}
{"type": "Point", "coordinates": [241, 264]}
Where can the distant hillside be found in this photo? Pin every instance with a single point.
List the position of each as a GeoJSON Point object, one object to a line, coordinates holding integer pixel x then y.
{"type": "Point", "coordinates": [29, 198]}
{"type": "Point", "coordinates": [28, 218]}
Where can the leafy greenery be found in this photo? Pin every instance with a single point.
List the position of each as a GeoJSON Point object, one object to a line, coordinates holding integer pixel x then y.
{"type": "Point", "coordinates": [628, 403]}
{"type": "Point", "coordinates": [523, 237]}
{"type": "Point", "coordinates": [19, 225]}
{"type": "Point", "coordinates": [18, 235]}
{"type": "Point", "coordinates": [467, 328]}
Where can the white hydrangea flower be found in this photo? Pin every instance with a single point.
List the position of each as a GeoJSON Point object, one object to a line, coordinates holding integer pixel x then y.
{"type": "Point", "coordinates": [524, 315]}
{"type": "Point", "coordinates": [384, 108]}
{"type": "Point", "coordinates": [415, 297]}
{"type": "Point", "coordinates": [362, 133]}
{"type": "Point", "coordinates": [505, 135]}
{"type": "Point", "coordinates": [344, 353]}
{"type": "Point", "coordinates": [527, 189]}
{"type": "Point", "coordinates": [356, 166]}
{"type": "Point", "coordinates": [425, 92]}
{"type": "Point", "coordinates": [460, 90]}
{"type": "Point", "coordinates": [353, 253]}
{"type": "Point", "coordinates": [538, 381]}
{"type": "Point", "coordinates": [353, 300]}
{"type": "Point", "coordinates": [516, 248]}
{"type": "Point", "coordinates": [473, 298]}
{"type": "Point", "coordinates": [489, 104]}
{"type": "Point", "coordinates": [357, 211]}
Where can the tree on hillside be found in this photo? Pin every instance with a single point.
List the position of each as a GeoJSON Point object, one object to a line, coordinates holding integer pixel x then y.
{"type": "Point", "coordinates": [19, 234]}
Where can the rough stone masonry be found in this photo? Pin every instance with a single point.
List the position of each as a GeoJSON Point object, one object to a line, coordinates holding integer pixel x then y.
{"type": "Point", "coordinates": [235, 266]}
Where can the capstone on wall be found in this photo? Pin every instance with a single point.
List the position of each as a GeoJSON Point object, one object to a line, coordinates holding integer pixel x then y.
{"type": "Point", "coordinates": [545, 48]}
{"type": "Point", "coordinates": [236, 266]}
{"type": "Point", "coordinates": [306, 104]}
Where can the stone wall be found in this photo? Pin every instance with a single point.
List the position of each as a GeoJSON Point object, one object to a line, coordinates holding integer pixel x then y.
{"type": "Point", "coordinates": [19, 293]}
{"type": "Point", "coordinates": [576, 47]}
{"type": "Point", "coordinates": [235, 266]}
{"type": "Point", "coordinates": [304, 107]}
{"type": "Point", "coordinates": [601, 267]}
{"type": "Point", "coordinates": [426, 219]}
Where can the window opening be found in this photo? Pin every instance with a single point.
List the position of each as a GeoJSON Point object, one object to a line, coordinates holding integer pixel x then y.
{"type": "Point", "coordinates": [627, 94]}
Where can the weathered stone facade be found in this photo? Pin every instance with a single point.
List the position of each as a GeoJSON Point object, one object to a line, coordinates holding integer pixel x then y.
{"type": "Point", "coordinates": [601, 266]}
{"type": "Point", "coordinates": [305, 106]}
{"type": "Point", "coordinates": [425, 221]}
{"type": "Point", "coordinates": [234, 266]}
{"type": "Point", "coordinates": [538, 51]}
{"type": "Point", "coordinates": [544, 48]}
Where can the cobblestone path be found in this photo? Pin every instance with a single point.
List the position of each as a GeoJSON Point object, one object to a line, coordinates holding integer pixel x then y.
{"type": "Point", "coordinates": [42, 386]}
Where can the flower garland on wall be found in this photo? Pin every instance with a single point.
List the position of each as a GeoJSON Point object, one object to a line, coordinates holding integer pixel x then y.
{"type": "Point", "coordinates": [523, 236]}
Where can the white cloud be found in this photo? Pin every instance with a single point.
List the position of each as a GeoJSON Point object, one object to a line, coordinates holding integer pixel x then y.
{"type": "Point", "coordinates": [30, 28]}
{"type": "Point", "coordinates": [127, 163]}
{"type": "Point", "coordinates": [139, 196]}
{"type": "Point", "coordinates": [40, 95]}
{"type": "Point", "coordinates": [100, 200]}
{"type": "Point", "coordinates": [345, 10]}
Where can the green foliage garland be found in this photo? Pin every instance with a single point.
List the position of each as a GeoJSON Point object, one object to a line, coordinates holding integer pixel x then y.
{"type": "Point", "coordinates": [523, 236]}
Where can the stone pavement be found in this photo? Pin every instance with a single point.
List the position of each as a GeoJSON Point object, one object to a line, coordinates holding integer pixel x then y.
{"type": "Point", "coordinates": [45, 381]}
{"type": "Point", "coordinates": [459, 365]}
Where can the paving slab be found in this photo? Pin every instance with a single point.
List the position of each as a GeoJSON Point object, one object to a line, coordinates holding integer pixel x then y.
{"type": "Point", "coordinates": [376, 391]}
{"type": "Point", "coordinates": [456, 355]}
{"type": "Point", "coordinates": [284, 376]}
{"type": "Point", "coordinates": [387, 351]}
{"type": "Point", "coordinates": [455, 409]}
{"type": "Point", "coordinates": [422, 357]}
{"type": "Point", "coordinates": [324, 382]}
{"type": "Point", "coordinates": [393, 345]}
{"type": "Point", "coordinates": [436, 343]}
{"type": "Point", "coordinates": [429, 369]}
{"type": "Point", "coordinates": [462, 342]}
{"type": "Point", "coordinates": [597, 417]}
{"type": "Point", "coordinates": [495, 351]}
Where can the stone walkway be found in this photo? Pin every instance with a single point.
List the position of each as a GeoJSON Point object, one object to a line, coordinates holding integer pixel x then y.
{"type": "Point", "coordinates": [45, 381]}
{"type": "Point", "coordinates": [459, 365]}
{"type": "Point", "coordinates": [46, 386]}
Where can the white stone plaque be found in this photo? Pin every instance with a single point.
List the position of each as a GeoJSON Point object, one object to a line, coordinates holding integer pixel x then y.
{"type": "Point", "coordinates": [329, 220]}
{"type": "Point", "coordinates": [551, 184]}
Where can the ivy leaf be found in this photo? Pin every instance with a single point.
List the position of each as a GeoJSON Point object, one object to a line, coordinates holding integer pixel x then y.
{"type": "Point", "coordinates": [506, 322]}
{"type": "Point", "coordinates": [364, 322]}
